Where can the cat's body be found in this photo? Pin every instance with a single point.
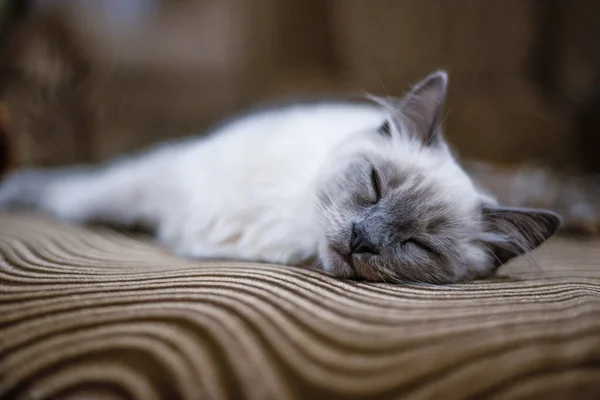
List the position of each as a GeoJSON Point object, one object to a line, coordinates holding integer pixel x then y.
{"type": "Point", "coordinates": [367, 190]}
{"type": "Point", "coordinates": [246, 191]}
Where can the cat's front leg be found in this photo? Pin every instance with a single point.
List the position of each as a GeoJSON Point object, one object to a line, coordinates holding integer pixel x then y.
{"type": "Point", "coordinates": [189, 235]}
{"type": "Point", "coordinates": [199, 239]}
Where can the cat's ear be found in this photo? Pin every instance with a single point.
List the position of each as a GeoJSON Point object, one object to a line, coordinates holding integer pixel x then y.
{"type": "Point", "coordinates": [421, 108]}
{"type": "Point", "coordinates": [511, 232]}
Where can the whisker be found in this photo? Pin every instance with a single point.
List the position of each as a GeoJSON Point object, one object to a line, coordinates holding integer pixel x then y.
{"type": "Point", "coordinates": [382, 85]}
{"type": "Point", "coordinates": [489, 251]}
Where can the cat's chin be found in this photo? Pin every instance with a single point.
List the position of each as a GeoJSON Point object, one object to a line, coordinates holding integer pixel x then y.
{"type": "Point", "coordinates": [334, 262]}
{"type": "Point", "coordinates": [338, 265]}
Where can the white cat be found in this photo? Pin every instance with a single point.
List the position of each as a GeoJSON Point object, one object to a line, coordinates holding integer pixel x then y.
{"type": "Point", "coordinates": [367, 190]}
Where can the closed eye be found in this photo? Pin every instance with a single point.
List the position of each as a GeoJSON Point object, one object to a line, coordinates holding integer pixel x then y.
{"type": "Point", "coordinates": [420, 244]}
{"type": "Point", "coordinates": [376, 183]}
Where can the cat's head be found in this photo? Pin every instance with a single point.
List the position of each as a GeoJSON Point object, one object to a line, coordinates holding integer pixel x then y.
{"type": "Point", "coordinates": [396, 206]}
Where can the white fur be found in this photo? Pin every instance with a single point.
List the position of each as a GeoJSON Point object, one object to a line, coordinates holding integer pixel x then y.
{"type": "Point", "coordinates": [245, 192]}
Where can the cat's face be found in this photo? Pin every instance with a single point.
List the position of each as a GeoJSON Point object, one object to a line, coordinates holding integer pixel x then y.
{"type": "Point", "coordinates": [395, 206]}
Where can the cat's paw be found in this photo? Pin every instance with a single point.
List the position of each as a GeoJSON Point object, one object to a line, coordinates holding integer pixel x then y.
{"type": "Point", "coordinates": [22, 189]}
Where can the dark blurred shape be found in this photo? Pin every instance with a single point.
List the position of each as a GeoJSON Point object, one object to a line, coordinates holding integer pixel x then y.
{"type": "Point", "coordinates": [587, 125]}
{"type": "Point", "coordinates": [4, 142]}
{"type": "Point", "coordinates": [12, 12]}
{"type": "Point", "coordinates": [545, 53]}
{"type": "Point", "coordinates": [42, 77]}
{"type": "Point", "coordinates": [566, 68]}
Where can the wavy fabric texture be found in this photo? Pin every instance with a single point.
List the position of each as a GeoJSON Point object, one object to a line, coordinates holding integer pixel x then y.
{"type": "Point", "coordinates": [89, 313]}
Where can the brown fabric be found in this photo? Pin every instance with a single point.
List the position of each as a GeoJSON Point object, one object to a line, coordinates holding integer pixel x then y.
{"type": "Point", "coordinates": [89, 313]}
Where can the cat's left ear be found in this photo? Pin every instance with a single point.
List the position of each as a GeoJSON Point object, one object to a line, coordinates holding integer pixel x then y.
{"type": "Point", "coordinates": [512, 231]}
{"type": "Point", "coordinates": [421, 108]}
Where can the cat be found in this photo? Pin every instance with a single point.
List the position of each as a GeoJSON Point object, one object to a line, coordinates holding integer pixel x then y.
{"type": "Point", "coordinates": [362, 190]}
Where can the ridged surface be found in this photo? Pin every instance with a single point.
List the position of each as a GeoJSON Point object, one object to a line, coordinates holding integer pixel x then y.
{"type": "Point", "coordinates": [89, 313]}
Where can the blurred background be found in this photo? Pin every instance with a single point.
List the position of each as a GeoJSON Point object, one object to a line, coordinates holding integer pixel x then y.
{"type": "Point", "coordinates": [84, 80]}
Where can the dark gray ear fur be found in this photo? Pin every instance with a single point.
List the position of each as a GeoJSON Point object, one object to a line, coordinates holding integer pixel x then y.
{"type": "Point", "coordinates": [422, 107]}
{"type": "Point", "coordinates": [419, 112]}
{"type": "Point", "coordinates": [511, 232]}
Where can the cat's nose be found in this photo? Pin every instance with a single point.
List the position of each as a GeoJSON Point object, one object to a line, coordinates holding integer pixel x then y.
{"type": "Point", "coordinates": [359, 242]}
